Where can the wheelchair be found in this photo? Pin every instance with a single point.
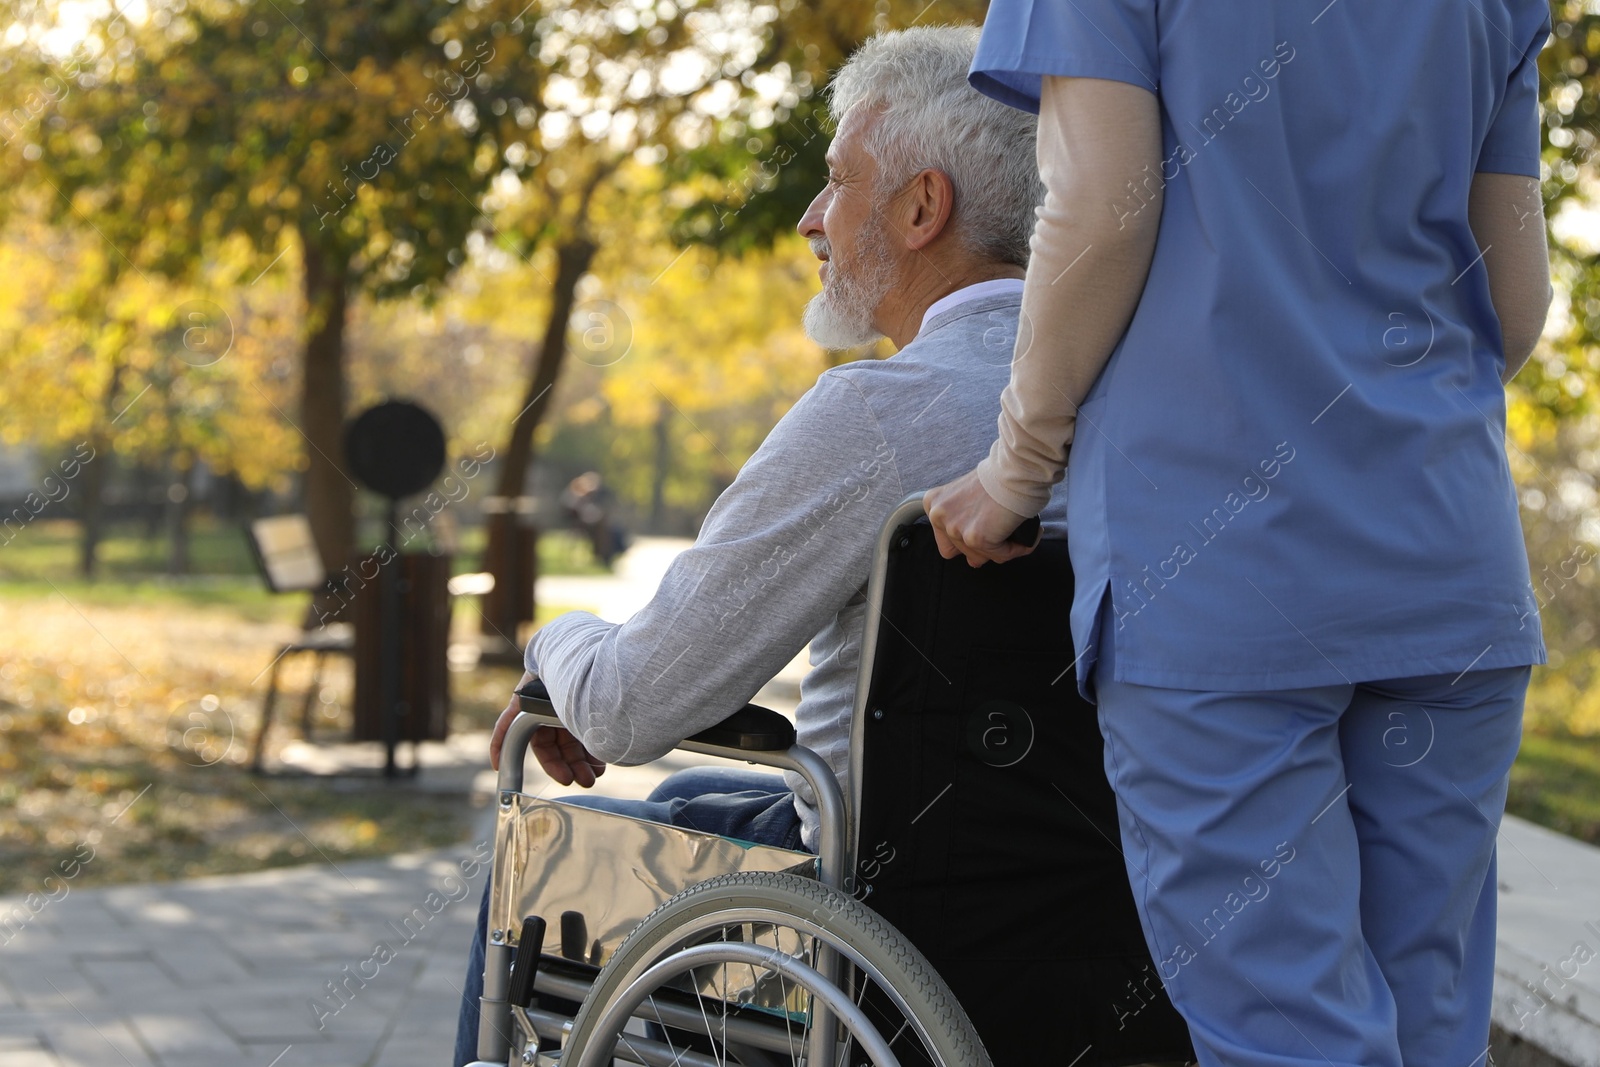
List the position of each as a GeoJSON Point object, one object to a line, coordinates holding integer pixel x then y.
{"type": "Point", "coordinates": [968, 904]}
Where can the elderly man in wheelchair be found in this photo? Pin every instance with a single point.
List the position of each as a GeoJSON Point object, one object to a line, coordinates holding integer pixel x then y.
{"type": "Point", "coordinates": [933, 879]}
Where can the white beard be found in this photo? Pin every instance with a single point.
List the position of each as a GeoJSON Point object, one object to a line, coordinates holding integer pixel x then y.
{"type": "Point", "coordinates": [841, 315]}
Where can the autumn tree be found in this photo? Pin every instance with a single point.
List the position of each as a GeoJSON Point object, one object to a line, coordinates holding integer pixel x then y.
{"type": "Point", "coordinates": [353, 138]}
{"type": "Point", "coordinates": [717, 355]}
{"type": "Point", "coordinates": [1552, 429]}
{"type": "Point", "coordinates": [723, 121]}
{"type": "Point", "coordinates": [143, 369]}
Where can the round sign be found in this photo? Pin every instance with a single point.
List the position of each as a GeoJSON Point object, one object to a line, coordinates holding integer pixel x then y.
{"type": "Point", "coordinates": [395, 448]}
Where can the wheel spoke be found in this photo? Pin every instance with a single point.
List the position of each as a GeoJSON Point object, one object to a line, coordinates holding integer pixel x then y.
{"type": "Point", "coordinates": [666, 1034]}
{"type": "Point", "coordinates": [764, 934]}
{"type": "Point", "coordinates": [623, 1040]}
{"type": "Point", "coordinates": [788, 1024]}
{"type": "Point", "coordinates": [862, 982]}
{"type": "Point", "coordinates": [700, 999]}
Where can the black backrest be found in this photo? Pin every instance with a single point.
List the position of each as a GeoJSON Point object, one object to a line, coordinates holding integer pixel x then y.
{"type": "Point", "coordinates": [988, 832]}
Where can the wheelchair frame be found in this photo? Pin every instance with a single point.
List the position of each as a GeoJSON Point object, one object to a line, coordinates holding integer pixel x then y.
{"type": "Point", "coordinates": [758, 736]}
{"type": "Point", "coordinates": [832, 852]}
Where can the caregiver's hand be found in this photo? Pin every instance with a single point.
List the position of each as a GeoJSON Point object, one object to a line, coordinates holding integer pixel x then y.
{"type": "Point", "coordinates": [967, 522]}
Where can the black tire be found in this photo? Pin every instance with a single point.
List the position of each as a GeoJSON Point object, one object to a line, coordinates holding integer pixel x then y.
{"type": "Point", "coordinates": [923, 1022]}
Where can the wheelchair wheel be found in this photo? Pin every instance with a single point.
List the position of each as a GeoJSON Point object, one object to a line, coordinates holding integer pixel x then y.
{"type": "Point", "coordinates": [734, 971]}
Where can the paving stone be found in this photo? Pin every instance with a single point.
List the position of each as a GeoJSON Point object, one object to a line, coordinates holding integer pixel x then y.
{"type": "Point", "coordinates": [26, 1052]}
{"type": "Point", "coordinates": [102, 1041]}
{"type": "Point", "coordinates": [34, 1021]}
{"type": "Point", "coordinates": [34, 935]}
{"type": "Point", "coordinates": [201, 959]}
{"type": "Point", "coordinates": [432, 1052]}
{"type": "Point", "coordinates": [84, 914]}
{"type": "Point", "coordinates": [188, 1032]}
{"type": "Point", "coordinates": [250, 1021]}
{"type": "Point", "coordinates": [9, 1000]}
{"type": "Point", "coordinates": [262, 1057]}
{"type": "Point", "coordinates": [445, 971]}
{"type": "Point", "coordinates": [126, 973]}
{"type": "Point", "coordinates": [269, 1054]}
{"type": "Point", "coordinates": [10, 1042]}
{"type": "Point", "coordinates": [48, 982]}
{"type": "Point", "coordinates": [357, 1019]}
{"type": "Point", "coordinates": [339, 1054]}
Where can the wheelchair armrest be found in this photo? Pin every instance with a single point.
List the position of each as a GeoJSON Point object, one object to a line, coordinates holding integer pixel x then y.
{"type": "Point", "coordinates": [535, 698]}
{"type": "Point", "coordinates": [752, 728]}
{"type": "Point", "coordinates": [753, 734]}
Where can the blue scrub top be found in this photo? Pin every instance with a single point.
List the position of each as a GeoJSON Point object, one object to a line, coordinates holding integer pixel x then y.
{"type": "Point", "coordinates": [1292, 471]}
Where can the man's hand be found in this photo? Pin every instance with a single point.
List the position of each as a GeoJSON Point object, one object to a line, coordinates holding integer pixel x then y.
{"type": "Point", "coordinates": [967, 522]}
{"type": "Point", "coordinates": [564, 758]}
{"type": "Point", "coordinates": [561, 754]}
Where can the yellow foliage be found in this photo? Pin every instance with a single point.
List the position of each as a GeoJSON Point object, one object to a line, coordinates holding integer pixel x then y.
{"type": "Point", "coordinates": [156, 368]}
{"type": "Point", "coordinates": [1566, 698]}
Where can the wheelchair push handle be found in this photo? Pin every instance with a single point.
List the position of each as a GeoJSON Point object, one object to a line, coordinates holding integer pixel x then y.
{"type": "Point", "coordinates": [1027, 535]}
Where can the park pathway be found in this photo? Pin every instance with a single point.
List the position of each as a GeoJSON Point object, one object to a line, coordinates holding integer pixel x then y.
{"type": "Point", "coordinates": [234, 970]}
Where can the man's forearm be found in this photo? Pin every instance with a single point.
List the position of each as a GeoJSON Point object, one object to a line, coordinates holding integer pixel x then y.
{"type": "Point", "coordinates": [563, 653]}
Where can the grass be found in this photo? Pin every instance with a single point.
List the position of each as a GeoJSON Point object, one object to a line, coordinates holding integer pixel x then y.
{"type": "Point", "coordinates": [48, 551]}
{"type": "Point", "coordinates": [1556, 783]}
{"type": "Point", "coordinates": [127, 727]}
{"type": "Point", "coordinates": [127, 706]}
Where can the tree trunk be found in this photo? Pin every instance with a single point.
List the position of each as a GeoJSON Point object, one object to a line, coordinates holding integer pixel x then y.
{"type": "Point", "coordinates": [500, 608]}
{"type": "Point", "coordinates": [94, 480]}
{"type": "Point", "coordinates": [661, 466]}
{"type": "Point", "coordinates": [573, 259]}
{"type": "Point", "coordinates": [329, 492]}
{"type": "Point", "coordinates": [151, 485]}
{"type": "Point", "coordinates": [180, 503]}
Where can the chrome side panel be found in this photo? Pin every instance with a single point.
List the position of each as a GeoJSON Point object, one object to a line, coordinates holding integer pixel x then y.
{"type": "Point", "coordinates": [552, 858]}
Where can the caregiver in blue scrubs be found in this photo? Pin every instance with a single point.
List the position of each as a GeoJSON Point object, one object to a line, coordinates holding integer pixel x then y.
{"type": "Point", "coordinates": [1290, 252]}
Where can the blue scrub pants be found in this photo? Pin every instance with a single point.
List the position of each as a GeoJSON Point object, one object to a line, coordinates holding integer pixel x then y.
{"type": "Point", "coordinates": [1315, 868]}
{"type": "Point", "coordinates": [748, 805]}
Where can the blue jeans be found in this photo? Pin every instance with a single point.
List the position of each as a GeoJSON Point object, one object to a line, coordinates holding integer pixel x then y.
{"type": "Point", "coordinates": [729, 802]}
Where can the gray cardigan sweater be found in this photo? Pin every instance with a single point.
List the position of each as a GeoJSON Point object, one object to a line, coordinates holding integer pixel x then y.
{"type": "Point", "coordinates": [784, 554]}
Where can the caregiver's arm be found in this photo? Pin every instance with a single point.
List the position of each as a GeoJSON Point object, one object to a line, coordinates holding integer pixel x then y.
{"type": "Point", "coordinates": [1506, 213]}
{"type": "Point", "coordinates": [1092, 247]}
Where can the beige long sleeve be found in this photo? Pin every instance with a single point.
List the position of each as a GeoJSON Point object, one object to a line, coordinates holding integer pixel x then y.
{"type": "Point", "coordinates": [1506, 213]}
{"type": "Point", "coordinates": [1091, 253]}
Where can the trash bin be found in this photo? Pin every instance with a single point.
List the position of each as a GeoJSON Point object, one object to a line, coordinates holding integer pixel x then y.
{"type": "Point", "coordinates": [423, 600]}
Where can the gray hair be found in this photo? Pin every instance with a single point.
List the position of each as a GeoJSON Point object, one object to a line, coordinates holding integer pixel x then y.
{"type": "Point", "coordinates": [933, 119]}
